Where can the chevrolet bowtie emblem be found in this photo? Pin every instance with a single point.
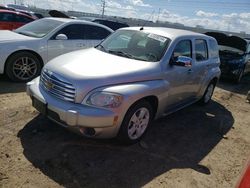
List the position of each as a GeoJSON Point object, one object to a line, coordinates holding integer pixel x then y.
{"type": "Point", "coordinates": [49, 84]}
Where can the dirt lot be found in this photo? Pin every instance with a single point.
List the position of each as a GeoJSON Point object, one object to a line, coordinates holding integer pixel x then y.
{"type": "Point", "coordinates": [195, 147]}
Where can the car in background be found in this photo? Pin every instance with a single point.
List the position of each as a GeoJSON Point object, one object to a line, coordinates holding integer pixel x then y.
{"type": "Point", "coordinates": [25, 10]}
{"type": "Point", "coordinates": [133, 76]}
{"type": "Point", "coordinates": [10, 20]}
{"type": "Point", "coordinates": [25, 50]}
{"type": "Point", "coordinates": [3, 7]}
{"type": "Point", "coordinates": [234, 55]}
{"type": "Point", "coordinates": [111, 24]}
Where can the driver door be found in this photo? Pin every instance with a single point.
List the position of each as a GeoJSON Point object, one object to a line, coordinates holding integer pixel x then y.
{"type": "Point", "coordinates": [74, 41]}
{"type": "Point", "coordinates": [180, 77]}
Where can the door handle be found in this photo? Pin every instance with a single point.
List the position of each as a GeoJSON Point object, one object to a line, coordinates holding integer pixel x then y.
{"type": "Point", "coordinates": [80, 45]}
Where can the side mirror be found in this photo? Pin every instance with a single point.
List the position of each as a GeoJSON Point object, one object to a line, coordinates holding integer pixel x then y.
{"type": "Point", "coordinates": [181, 61]}
{"type": "Point", "coordinates": [61, 37]}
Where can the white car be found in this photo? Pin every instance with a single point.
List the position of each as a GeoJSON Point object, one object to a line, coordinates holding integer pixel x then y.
{"type": "Point", "coordinates": [23, 52]}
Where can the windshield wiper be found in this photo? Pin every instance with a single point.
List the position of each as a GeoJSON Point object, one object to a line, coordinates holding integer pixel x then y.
{"type": "Point", "coordinates": [29, 34]}
{"type": "Point", "coordinates": [22, 33]}
{"type": "Point", "coordinates": [101, 47]}
{"type": "Point", "coordinates": [121, 53]}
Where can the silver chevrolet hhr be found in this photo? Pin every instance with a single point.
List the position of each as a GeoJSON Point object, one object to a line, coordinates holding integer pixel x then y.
{"type": "Point", "coordinates": [134, 76]}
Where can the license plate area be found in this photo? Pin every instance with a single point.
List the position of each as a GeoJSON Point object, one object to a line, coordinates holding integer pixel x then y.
{"type": "Point", "coordinates": [40, 106]}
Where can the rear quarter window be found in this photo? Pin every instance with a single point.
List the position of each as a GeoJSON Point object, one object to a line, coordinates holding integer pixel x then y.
{"type": "Point", "coordinates": [214, 49]}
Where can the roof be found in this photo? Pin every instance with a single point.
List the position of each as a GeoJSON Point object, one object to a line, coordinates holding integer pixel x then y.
{"type": "Point", "coordinates": [167, 32]}
{"type": "Point", "coordinates": [67, 20]}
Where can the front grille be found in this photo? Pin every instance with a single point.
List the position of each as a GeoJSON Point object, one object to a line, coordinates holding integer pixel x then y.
{"type": "Point", "coordinates": [57, 86]}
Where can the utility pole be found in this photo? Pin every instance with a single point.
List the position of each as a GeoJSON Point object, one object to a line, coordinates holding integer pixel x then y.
{"type": "Point", "coordinates": [103, 7]}
{"type": "Point", "coordinates": [159, 12]}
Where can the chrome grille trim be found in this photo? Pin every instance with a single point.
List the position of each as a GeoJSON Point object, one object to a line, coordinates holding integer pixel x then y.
{"type": "Point", "coordinates": [57, 86]}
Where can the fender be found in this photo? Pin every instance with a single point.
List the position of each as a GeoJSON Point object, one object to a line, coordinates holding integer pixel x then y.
{"type": "Point", "coordinates": [12, 48]}
{"type": "Point", "coordinates": [214, 73]}
{"type": "Point", "coordinates": [133, 92]}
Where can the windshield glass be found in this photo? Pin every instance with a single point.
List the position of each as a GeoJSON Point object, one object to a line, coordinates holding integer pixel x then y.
{"type": "Point", "coordinates": [39, 28]}
{"type": "Point", "coordinates": [135, 45]}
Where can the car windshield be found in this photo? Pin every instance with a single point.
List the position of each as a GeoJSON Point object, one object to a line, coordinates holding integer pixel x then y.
{"type": "Point", "coordinates": [39, 28]}
{"type": "Point", "coordinates": [138, 45]}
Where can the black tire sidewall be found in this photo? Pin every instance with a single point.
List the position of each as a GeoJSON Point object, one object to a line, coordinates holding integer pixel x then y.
{"type": "Point", "coordinates": [123, 132]}
{"type": "Point", "coordinates": [240, 75]}
{"type": "Point", "coordinates": [202, 101]}
{"type": "Point", "coordinates": [13, 58]}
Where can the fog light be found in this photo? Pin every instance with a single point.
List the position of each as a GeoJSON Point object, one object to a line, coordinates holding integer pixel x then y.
{"type": "Point", "coordinates": [89, 132]}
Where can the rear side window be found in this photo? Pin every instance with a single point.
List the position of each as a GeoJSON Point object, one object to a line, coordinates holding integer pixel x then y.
{"type": "Point", "coordinates": [92, 32]}
{"type": "Point", "coordinates": [6, 17]}
{"type": "Point", "coordinates": [201, 51]}
{"type": "Point", "coordinates": [214, 50]}
{"type": "Point", "coordinates": [183, 48]}
{"type": "Point", "coordinates": [23, 19]}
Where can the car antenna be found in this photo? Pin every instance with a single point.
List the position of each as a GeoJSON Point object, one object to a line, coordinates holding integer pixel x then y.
{"type": "Point", "coordinates": [143, 25]}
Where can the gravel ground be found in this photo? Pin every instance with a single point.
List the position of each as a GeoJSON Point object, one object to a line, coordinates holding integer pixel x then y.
{"type": "Point", "coordinates": [195, 147]}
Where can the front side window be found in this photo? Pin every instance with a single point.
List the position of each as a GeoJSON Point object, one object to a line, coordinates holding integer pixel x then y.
{"type": "Point", "coordinates": [201, 52]}
{"type": "Point", "coordinates": [183, 48]}
{"type": "Point", "coordinates": [138, 45]}
{"type": "Point", "coordinates": [73, 32]}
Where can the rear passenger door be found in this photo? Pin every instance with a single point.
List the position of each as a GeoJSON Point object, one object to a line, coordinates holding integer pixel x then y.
{"type": "Point", "coordinates": [201, 64]}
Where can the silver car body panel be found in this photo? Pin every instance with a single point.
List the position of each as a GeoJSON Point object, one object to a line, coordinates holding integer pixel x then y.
{"type": "Point", "coordinates": [47, 49]}
{"type": "Point", "coordinates": [92, 70]}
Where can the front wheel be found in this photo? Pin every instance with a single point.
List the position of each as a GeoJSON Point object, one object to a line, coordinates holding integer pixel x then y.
{"type": "Point", "coordinates": [208, 94]}
{"type": "Point", "coordinates": [23, 67]}
{"type": "Point", "coordinates": [239, 76]}
{"type": "Point", "coordinates": [135, 122]}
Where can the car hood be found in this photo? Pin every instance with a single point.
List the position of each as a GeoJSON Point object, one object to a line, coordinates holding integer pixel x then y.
{"type": "Point", "coordinates": [92, 68]}
{"type": "Point", "coordinates": [231, 41]}
{"type": "Point", "coordinates": [9, 36]}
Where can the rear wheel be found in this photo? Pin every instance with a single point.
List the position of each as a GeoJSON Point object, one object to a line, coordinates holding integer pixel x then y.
{"type": "Point", "coordinates": [208, 94]}
{"type": "Point", "coordinates": [23, 67]}
{"type": "Point", "coordinates": [136, 122]}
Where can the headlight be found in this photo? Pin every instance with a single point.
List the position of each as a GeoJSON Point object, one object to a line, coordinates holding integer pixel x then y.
{"type": "Point", "coordinates": [105, 99]}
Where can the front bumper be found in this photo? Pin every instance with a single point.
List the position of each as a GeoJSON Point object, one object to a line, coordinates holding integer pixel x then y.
{"type": "Point", "coordinates": [86, 120]}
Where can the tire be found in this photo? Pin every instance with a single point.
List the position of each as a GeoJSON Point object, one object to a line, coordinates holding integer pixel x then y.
{"type": "Point", "coordinates": [239, 76]}
{"type": "Point", "coordinates": [23, 67]}
{"type": "Point", "coordinates": [206, 98]}
{"type": "Point", "coordinates": [134, 127]}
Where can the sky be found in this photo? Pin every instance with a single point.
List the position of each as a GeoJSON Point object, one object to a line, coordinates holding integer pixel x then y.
{"type": "Point", "coordinates": [226, 15]}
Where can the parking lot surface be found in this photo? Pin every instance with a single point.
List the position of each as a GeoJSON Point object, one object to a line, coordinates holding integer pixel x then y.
{"type": "Point", "coordinates": [195, 147]}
